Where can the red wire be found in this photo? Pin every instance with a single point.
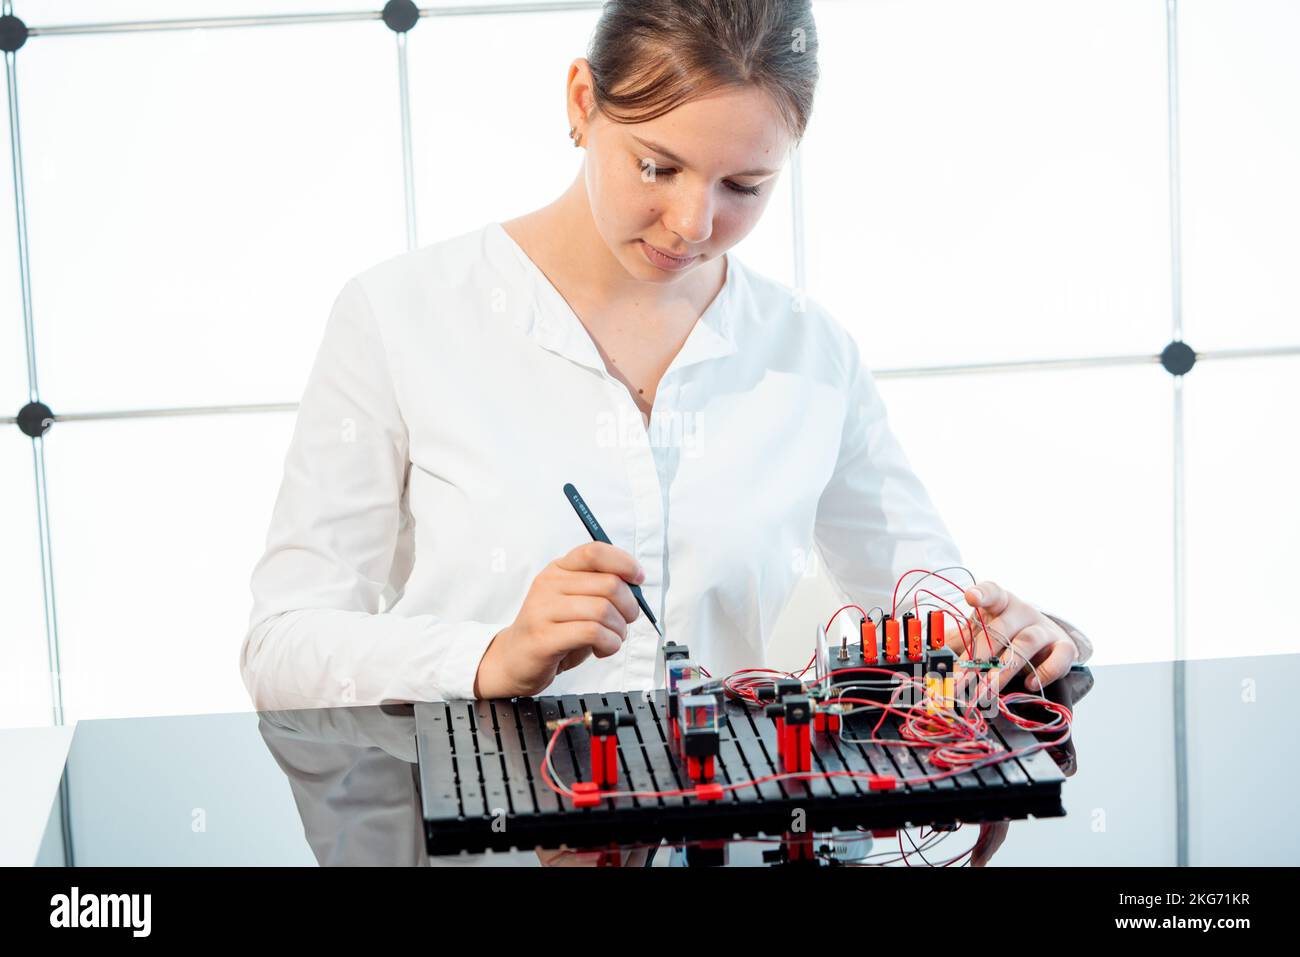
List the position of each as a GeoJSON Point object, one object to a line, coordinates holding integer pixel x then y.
{"type": "Point", "coordinates": [959, 742]}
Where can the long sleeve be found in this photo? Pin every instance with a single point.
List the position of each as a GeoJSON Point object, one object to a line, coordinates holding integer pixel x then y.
{"type": "Point", "coordinates": [875, 519]}
{"type": "Point", "coordinates": [317, 636]}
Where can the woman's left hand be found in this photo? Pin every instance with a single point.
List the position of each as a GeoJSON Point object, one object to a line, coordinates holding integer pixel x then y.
{"type": "Point", "coordinates": [1019, 625]}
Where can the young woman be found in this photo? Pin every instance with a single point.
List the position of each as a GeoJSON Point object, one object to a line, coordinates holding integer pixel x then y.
{"type": "Point", "coordinates": [720, 426]}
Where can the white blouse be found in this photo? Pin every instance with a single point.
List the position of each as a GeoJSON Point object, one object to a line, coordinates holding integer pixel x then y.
{"type": "Point", "coordinates": [455, 393]}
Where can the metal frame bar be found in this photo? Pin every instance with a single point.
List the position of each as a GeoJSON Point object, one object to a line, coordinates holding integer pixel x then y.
{"type": "Point", "coordinates": [45, 540]}
{"type": "Point", "coordinates": [913, 372]}
{"type": "Point", "coordinates": [408, 159]}
{"type": "Point", "coordinates": [297, 19]}
{"type": "Point", "coordinates": [1179, 474]}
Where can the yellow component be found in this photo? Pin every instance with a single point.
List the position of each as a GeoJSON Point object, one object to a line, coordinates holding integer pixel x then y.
{"type": "Point", "coordinates": [949, 691]}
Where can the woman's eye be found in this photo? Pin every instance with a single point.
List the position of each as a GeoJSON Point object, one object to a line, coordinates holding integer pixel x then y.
{"type": "Point", "coordinates": [652, 173]}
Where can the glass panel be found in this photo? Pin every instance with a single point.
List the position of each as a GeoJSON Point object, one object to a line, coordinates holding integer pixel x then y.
{"type": "Point", "coordinates": [505, 149]}
{"type": "Point", "coordinates": [1240, 151]}
{"type": "Point", "coordinates": [157, 525]}
{"type": "Point", "coordinates": [189, 236]}
{"type": "Point", "coordinates": [990, 180]}
{"type": "Point", "coordinates": [1242, 518]}
{"type": "Point", "coordinates": [24, 661]}
{"type": "Point", "coordinates": [1056, 485]}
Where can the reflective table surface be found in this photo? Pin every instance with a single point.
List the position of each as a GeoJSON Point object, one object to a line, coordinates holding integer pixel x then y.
{"type": "Point", "coordinates": [1169, 763]}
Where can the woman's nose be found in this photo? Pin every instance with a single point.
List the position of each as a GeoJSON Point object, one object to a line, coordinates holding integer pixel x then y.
{"type": "Point", "coordinates": [692, 217]}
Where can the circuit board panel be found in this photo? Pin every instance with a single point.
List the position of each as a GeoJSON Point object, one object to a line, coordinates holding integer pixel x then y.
{"type": "Point", "coordinates": [481, 786]}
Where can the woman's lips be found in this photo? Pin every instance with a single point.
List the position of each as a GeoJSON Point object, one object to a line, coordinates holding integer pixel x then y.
{"type": "Point", "coordinates": [665, 260]}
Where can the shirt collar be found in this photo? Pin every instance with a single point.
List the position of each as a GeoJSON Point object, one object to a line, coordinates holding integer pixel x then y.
{"type": "Point", "coordinates": [550, 321]}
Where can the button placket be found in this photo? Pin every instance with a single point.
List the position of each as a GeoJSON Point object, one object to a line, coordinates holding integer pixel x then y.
{"type": "Point", "coordinates": [642, 647]}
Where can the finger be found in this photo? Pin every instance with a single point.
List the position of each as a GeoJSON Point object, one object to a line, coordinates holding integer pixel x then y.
{"type": "Point", "coordinates": [578, 608]}
{"type": "Point", "coordinates": [603, 557]}
{"type": "Point", "coordinates": [601, 585]}
{"type": "Point", "coordinates": [573, 659]}
{"type": "Point", "coordinates": [993, 637]}
{"type": "Point", "coordinates": [570, 636]}
{"type": "Point", "coordinates": [1014, 617]}
{"type": "Point", "coordinates": [1061, 655]}
{"type": "Point", "coordinates": [1023, 647]}
{"type": "Point", "coordinates": [989, 597]}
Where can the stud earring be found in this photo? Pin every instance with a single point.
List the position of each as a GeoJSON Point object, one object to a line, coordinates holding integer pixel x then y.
{"type": "Point", "coordinates": [577, 141]}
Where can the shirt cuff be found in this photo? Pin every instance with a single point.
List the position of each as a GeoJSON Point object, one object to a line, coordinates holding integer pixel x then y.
{"type": "Point", "coordinates": [1080, 640]}
{"type": "Point", "coordinates": [455, 657]}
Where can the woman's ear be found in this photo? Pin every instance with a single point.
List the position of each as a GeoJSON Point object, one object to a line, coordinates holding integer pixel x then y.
{"type": "Point", "coordinates": [579, 93]}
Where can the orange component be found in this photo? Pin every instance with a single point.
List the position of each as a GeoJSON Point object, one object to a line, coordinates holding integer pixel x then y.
{"type": "Point", "coordinates": [869, 652]}
{"type": "Point", "coordinates": [914, 639]}
{"type": "Point", "coordinates": [891, 640]}
{"type": "Point", "coordinates": [937, 637]}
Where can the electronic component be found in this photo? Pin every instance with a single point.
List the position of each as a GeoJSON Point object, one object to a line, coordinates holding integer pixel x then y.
{"type": "Point", "coordinates": [796, 720]}
{"type": "Point", "coordinates": [890, 626]}
{"type": "Point", "coordinates": [826, 718]}
{"type": "Point", "coordinates": [604, 724]}
{"type": "Point", "coordinates": [912, 635]}
{"type": "Point", "coordinates": [941, 677]}
{"type": "Point", "coordinates": [672, 651]}
{"type": "Point", "coordinates": [700, 735]}
{"type": "Point", "coordinates": [677, 670]}
{"type": "Point", "coordinates": [869, 643]}
{"type": "Point", "coordinates": [937, 637]}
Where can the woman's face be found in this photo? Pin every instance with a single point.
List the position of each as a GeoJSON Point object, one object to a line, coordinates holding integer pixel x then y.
{"type": "Point", "coordinates": [690, 184]}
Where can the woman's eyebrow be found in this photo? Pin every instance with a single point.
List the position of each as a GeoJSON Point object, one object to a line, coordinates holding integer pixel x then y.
{"type": "Point", "coordinates": [667, 154]}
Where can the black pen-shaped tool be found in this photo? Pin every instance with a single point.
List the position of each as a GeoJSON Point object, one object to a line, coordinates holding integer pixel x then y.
{"type": "Point", "coordinates": [598, 534]}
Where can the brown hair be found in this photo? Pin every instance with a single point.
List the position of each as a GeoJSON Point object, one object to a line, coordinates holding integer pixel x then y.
{"type": "Point", "coordinates": [649, 56]}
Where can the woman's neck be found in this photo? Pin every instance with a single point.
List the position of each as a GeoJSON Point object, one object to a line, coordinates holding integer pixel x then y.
{"type": "Point", "coordinates": [563, 241]}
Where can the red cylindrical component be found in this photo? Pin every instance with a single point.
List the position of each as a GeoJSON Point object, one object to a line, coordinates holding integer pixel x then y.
{"type": "Point", "coordinates": [780, 733]}
{"type": "Point", "coordinates": [611, 760]}
{"type": "Point", "coordinates": [869, 650]}
{"type": "Point", "coordinates": [804, 744]}
{"type": "Point", "coordinates": [914, 639]}
{"type": "Point", "coordinates": [891, 640]}
{"type": "Point", "coordinates": [790, 747]}
{"type": "Point", "coordinates": [938, 638]}
{"type": "Point", "coordinates": [604, 760]}
{"type": "Point", "coordinates": [700, 769]}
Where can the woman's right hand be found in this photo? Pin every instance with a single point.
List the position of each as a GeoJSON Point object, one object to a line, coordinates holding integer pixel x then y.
{"type": "Point", "coordinates": [579, 605]}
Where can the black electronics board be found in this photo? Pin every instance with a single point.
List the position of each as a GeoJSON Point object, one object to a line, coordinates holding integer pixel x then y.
{"type": "Point", "coordinates": [481, 786]}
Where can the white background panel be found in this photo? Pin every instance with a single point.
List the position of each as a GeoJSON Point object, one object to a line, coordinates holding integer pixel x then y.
{"type": "Point", "coordinates": [1057, 486]}
{"type": "Point", "coordinates": [1243, 520]}
{"type": "Point", "coordinates": [157, 525]}
{"type": "Point", "coordinates": [989, 180]}
{"type": "Point", "coordinates": [192, 222]}
{"type": "Point", "coordinates": [1240, 69]}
